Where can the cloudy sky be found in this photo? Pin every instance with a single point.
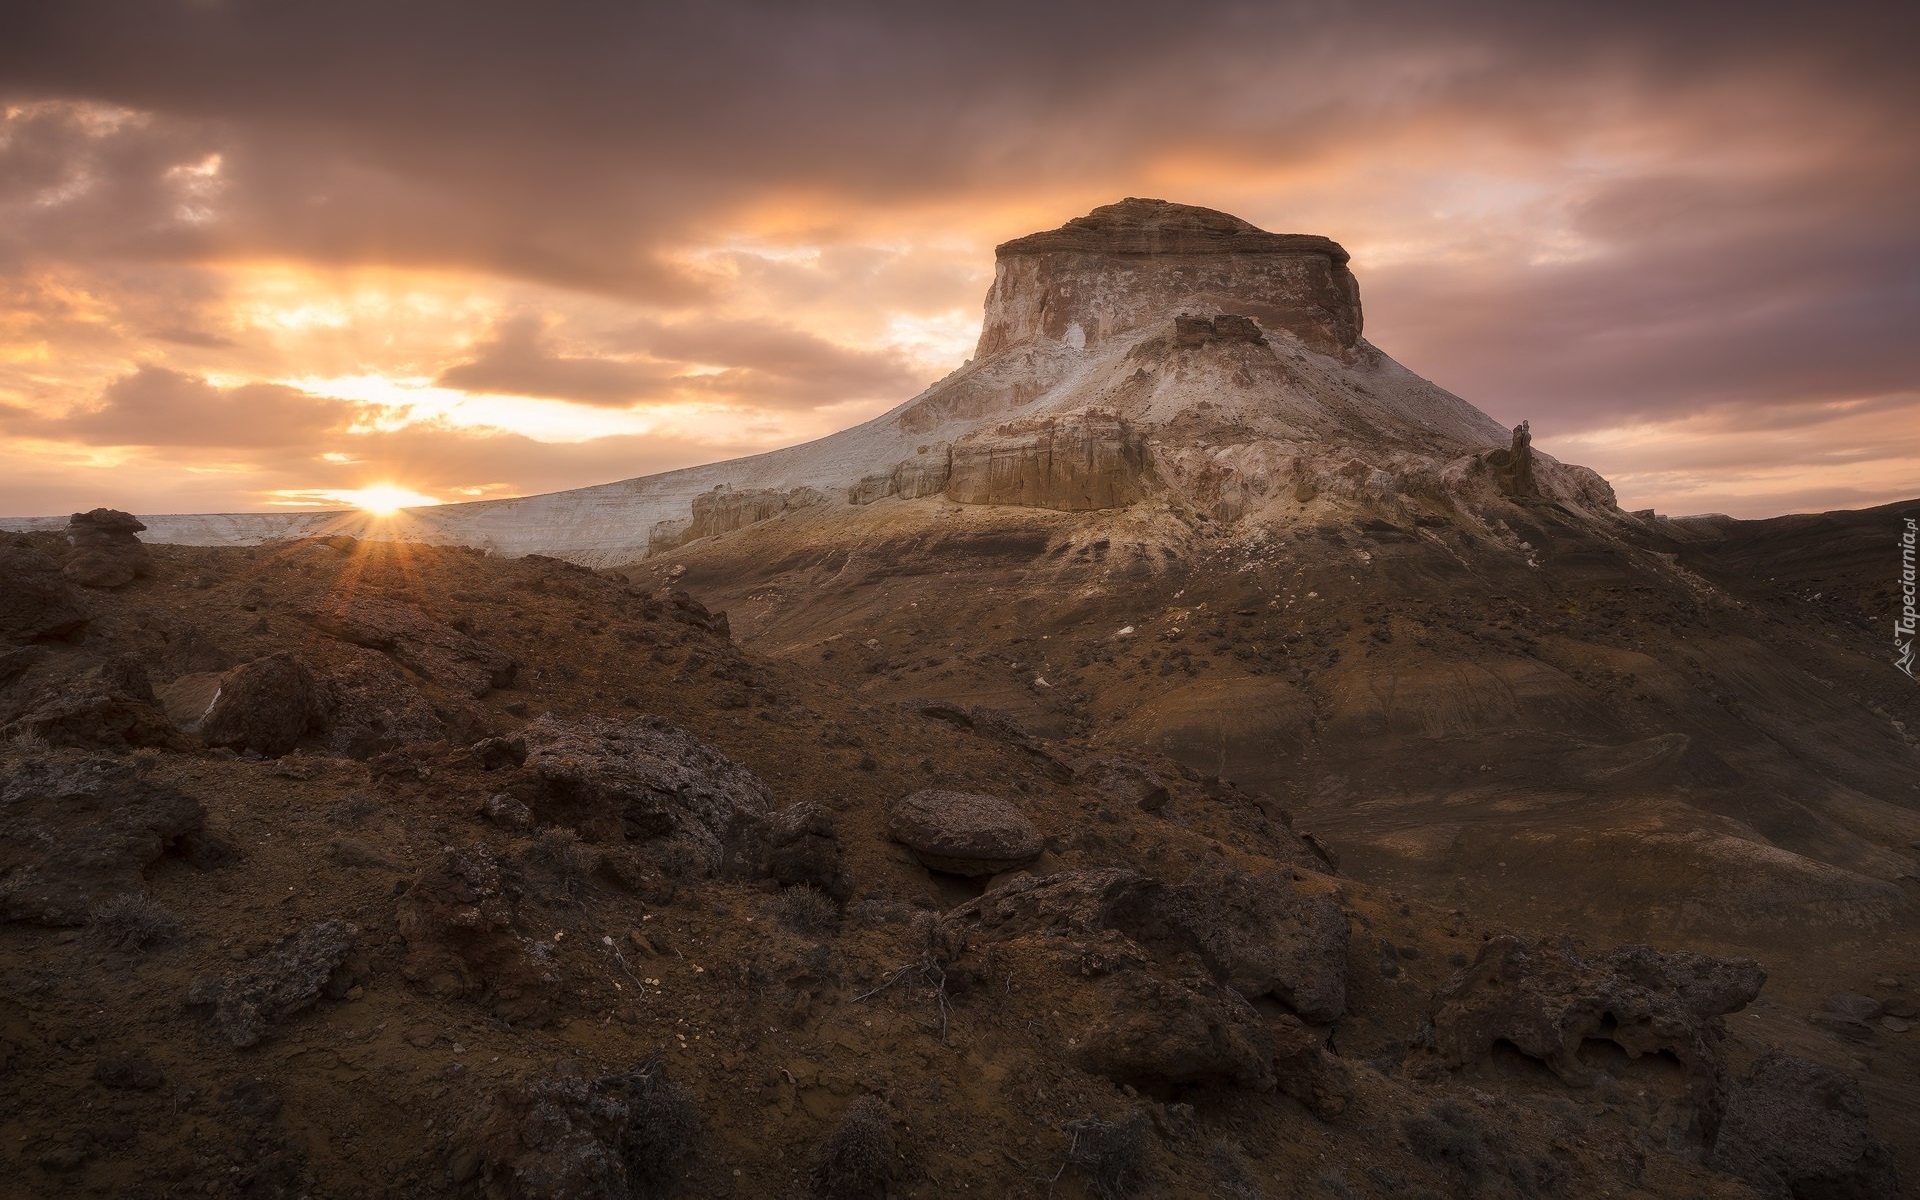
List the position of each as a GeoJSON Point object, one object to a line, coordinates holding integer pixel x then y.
{"type": "Point", "coordinates": [260, 254]}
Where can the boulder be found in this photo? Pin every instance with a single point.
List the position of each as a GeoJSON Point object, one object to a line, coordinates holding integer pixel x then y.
{"type": "Point", "coordinates": [964, 833]}
{"type": "Point", "coordinates": [800, 845]}
{"type": "Point", "coordinates": [76, 830]}
{"type": "Point", "coordinates": [1261, 939]}
{"type": "Point", "coordinates": [36, 602]}
{"type": "Point", "coordinates": [106, 553]}
{"type": "Point", "coordinates": [646, 780]}
{"type": "Point", "coordinates": [1795, 1128]}
{"type": "Point", "coordinates": [265, 706]}
{"type": "Point", "coordinates": [281, 982]}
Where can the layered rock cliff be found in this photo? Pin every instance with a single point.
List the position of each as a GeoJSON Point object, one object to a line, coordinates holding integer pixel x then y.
{"type": "Point", "coordinates": [1124, 265]}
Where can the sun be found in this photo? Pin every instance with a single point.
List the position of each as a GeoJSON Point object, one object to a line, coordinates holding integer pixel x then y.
{"type": "Point", "coordinates": [385, 499]}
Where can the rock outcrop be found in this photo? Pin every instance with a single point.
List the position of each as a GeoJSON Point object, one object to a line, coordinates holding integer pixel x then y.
{"type": "Point", "coordinates": [106, 551]}
{"type": "Point", "coordinates": [1123, 264]}
{"type": "Point", "coordinates": [1076, 463]}
{"type": "Point", "coordinates": [1545, 1000]}
{"type": "Point", "coordinates": [281, 982]}
{"type": "Point", "coordinates": [265, 706]}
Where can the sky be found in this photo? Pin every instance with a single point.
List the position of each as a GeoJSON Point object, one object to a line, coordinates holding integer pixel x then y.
{"type": "Point", "coordinates": [260, 255]}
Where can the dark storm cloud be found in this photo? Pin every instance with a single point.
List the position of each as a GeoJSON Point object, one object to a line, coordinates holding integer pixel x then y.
{"type": "Point", "coordinates": [571, 144]}
{"type": "Point", "coordinates": [588, 145]}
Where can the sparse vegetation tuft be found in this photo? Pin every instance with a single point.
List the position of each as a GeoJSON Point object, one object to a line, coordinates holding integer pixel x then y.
{"type": "Point", "coordinates": [1113, 1154]}
{"type": "Point", "coordinates": [807, 910]}
{"type": "Point", "coordinates": [133, 923]}
{"type": "Point", "coordinates": [662, 1123]}
{"type": "Point", "coordinates": [856, 1161]}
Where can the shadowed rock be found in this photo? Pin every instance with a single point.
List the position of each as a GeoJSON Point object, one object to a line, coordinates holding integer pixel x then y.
{"type": "Point", "coordinates": [36, 601]}
{"type": "Point", "coordinates": [288, 978]}
{"type": "Point", "coordinates": [77, 830]}
{"type": "Point", "coordinates": [1795, 1128]}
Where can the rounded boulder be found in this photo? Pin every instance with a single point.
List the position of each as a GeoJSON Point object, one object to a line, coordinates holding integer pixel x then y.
{"type": "Point", "coordinates": [964, 833]}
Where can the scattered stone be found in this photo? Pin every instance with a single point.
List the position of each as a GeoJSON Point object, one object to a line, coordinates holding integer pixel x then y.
{"type": "Point", "coordinates": [265, 706]}
{"type": "Point", "coordinates": [77, 830]}
{"type": "Point", "coordinates": [1795, 1128]}
{"type": "Point", "coordinates": [1128, 783]}
{"type": "Point", "coordinates": [288, 978]}
{"type": "Point", "coordinates": [506, 812]}
{"type": "Point", "coordinates": [964, 833]}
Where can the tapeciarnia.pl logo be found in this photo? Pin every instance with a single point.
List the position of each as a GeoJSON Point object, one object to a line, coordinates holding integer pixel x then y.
{"type": "Point", "coordinates": [1905, 620]}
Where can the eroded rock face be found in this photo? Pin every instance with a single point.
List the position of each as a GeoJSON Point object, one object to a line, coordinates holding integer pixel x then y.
{"type": "Point", "coordinates": [75, 830]}
{"type": "Point", "coordinates": [645, 780]}
{"type": "Point", "coordinates": [106, 551]}
{"type": "Point", "coordinates": [964, 833]}
{"type": "Point", "coordinates": [1545, 1000]}
{"type": "Point", "coordinates": [1075, 463]}
{"type": "Point", "coordinates": [1121, 264]}
{"type": "Point", "coordinates": [1797, 1128]}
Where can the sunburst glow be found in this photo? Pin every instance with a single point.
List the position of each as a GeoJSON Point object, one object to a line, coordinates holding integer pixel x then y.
{"type": "Point", "coordinates": [385, 499]}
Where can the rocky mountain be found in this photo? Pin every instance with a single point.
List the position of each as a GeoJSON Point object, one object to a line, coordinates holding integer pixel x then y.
{"type": "Point", "coordinates": [1181, 753]}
